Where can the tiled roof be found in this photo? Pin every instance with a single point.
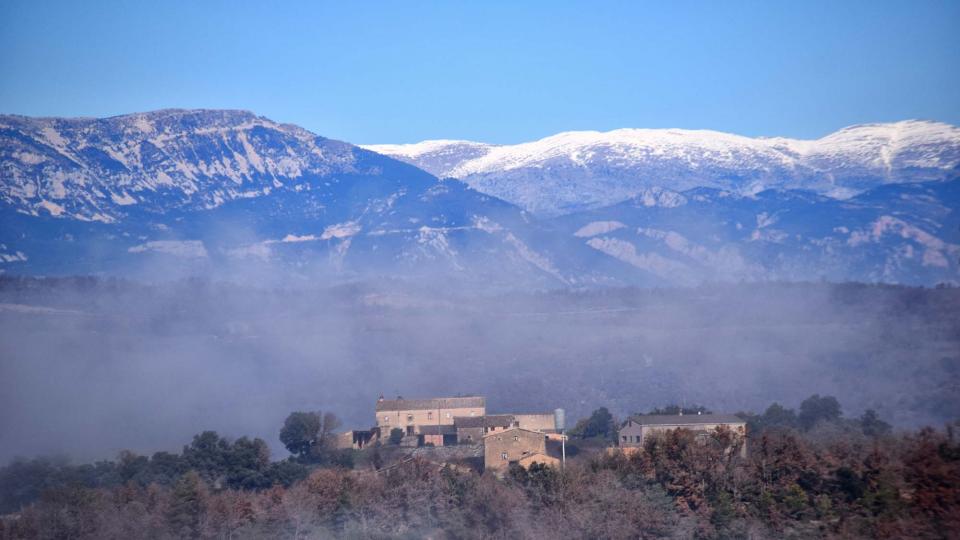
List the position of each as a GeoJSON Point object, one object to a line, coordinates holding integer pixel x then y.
{"type": "Point", "coordinates": [490, 420]}
{"type": "Point", "coordinates": [686, 419]}
{"type": "Point", "coordinates": [431, 404]}
{"type": "Point", "coordinates": [445, 429]}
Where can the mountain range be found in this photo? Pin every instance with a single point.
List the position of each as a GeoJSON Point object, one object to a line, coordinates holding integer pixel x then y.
{"type": "Point", "coordinates": [578, 170]}
{"type": "Point", "coordinates": [175, 193]}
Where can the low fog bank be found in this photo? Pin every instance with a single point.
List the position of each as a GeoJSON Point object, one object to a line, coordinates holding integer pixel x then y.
{"type": "Point", "coordinates": [89, 367]}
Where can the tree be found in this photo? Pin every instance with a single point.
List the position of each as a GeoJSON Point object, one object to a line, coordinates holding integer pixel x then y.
{"type": "Point", "coordinates": [676, 409]}
{"type": "Point", "coordinates": [777, 415]}
{"type": "Point", "coordinates": [187, 504]}
{"type": "Point", "coordinates": [872, 425]}
{"type": "Point", "coordinates": [309, 435]}
{"type": "Point", "coordinates": [816, 409]}
{"type": "Point", "coordinates": [248, 464]}
{"type": "Point", "coordinates": [207, 454]}
{"type": "Point", "coordinates": [396, 435]}
{"type": "Point", "coordinates": [599, 424]}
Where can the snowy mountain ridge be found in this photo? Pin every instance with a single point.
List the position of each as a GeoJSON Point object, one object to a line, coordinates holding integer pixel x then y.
{"type": "Point", "coordinates": [237, 196]}
{"type": "Point", "coordinates": [575, 170]}
{"type": "Point", "coordinates": [100, 169]}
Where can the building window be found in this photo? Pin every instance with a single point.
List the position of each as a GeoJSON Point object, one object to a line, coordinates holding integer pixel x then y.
{"type": "Point", "coordinates": [503, 455]}
{"type": "Point", "coordinates": [516, 437]}
{"type": "Point", "coordinates": [624, 438]}
{"type": "Point", "coordinates": [429, 415]}
{"type": "Point", "coordinates": [409, 418]}
{"type": "Point", "coordinates": [386, 419]}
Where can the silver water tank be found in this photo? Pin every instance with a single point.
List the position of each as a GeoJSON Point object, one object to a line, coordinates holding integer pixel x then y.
{"type": "Point", "coordinates": [559, 419]}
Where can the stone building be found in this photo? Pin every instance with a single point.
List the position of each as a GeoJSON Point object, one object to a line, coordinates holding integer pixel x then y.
{"type": "Point", "coordinates": [471, 429]}
{"type": "Point", "coordinates": [357, 439]}
{"type": "Point", "coordinates": [410, 414]}
{"type": "Point", "coordinates": [638, 429]}
{"type": "Point", "coordinates": [512, 445]}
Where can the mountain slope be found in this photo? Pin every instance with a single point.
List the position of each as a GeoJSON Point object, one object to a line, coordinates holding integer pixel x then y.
{"type": "Point", "coordinates": [228, 194]}
{"type": "Point", "coordinates": [899, 233]}
{"type": "Point", "coordinates": [104, 169]}
{"type": "Point", "coordinates": [572, 171]}
{"type": "Point", "coordinates": [232, 193]}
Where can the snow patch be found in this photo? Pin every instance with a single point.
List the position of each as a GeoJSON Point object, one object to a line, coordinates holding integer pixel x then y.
{"type": "Point", "coordinates": [668, 269]}
{"type": "Point", "coordinates": [598, 227]}
{"type": "Point", "coordinates": [12, 257]}
{"type": "Point", "coordinates": [29, 158]}
{"type": "Point", "coordinates": [179, 248]}
{"type": "Point", "coordinates": [936, 252]}
{"type": "Point", "coordinates": [54, 208]}
{"type": "Point", "coordinates": [292, 238]}
{"type": "Point", "coordinates": [341, 230]}
{"type": "Point", "coordinates": [122, 200]}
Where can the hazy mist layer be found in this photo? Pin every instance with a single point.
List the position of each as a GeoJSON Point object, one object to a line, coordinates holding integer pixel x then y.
{"type": "Point", "coordinates": [89, 367]}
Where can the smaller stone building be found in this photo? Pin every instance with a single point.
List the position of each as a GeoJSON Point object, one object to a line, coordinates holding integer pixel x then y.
{"type": "Point", "coordinates": [472, 429]}
{"type": "Point", "coordinates": [638, 429]}
{"type": "Point", "coordinates": [512, 445]}
{"type": "Point", "coordinates": [357, 439]}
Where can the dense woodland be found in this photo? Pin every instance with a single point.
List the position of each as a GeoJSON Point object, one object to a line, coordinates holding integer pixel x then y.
{"type": "Point", "coordinates": [810, 473]}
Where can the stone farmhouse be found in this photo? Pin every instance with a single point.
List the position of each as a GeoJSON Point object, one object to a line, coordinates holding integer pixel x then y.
{"type": "Point", "coordinates": [410, 415]}
{"type": "Point", "coordinates": [463, 420]}
{"type": "Point", "coordinates": [638, 429]}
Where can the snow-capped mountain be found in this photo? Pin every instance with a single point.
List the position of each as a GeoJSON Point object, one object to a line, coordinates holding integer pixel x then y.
{"type": "Point", "coordinates": [230, 191]}
{"type": "Point", "coordinates": [573, 171]}
{"type": "Point", "coordinates": [230, 194]}
{"type": "Point", "coordinates": [101, 169]}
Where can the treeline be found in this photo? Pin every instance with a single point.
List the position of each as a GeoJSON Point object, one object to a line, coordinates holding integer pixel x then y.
{"type": "Point", "coordinates": [815, 411]}
{"type": "Point", "coordinates": [221, 463]}
{"type": "Point", "coordinates": [809, 473]}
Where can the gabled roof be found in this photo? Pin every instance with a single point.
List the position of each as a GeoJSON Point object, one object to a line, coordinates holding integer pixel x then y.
{"type": "Point", "coordinates": [431, 403]}
{"type": "Point", "coordinates": [490, 420]}
{"type": "Point", "coordinates": [686, 419]}
{"type": "Point", "coordinates": [511, 430]}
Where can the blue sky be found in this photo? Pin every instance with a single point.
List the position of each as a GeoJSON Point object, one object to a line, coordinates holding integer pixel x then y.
{"type": "Point", "coordinates": [372, 72]}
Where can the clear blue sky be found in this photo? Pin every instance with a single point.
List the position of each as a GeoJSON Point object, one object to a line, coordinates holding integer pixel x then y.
{"type": "Point", "coordinates": [370, 72]}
